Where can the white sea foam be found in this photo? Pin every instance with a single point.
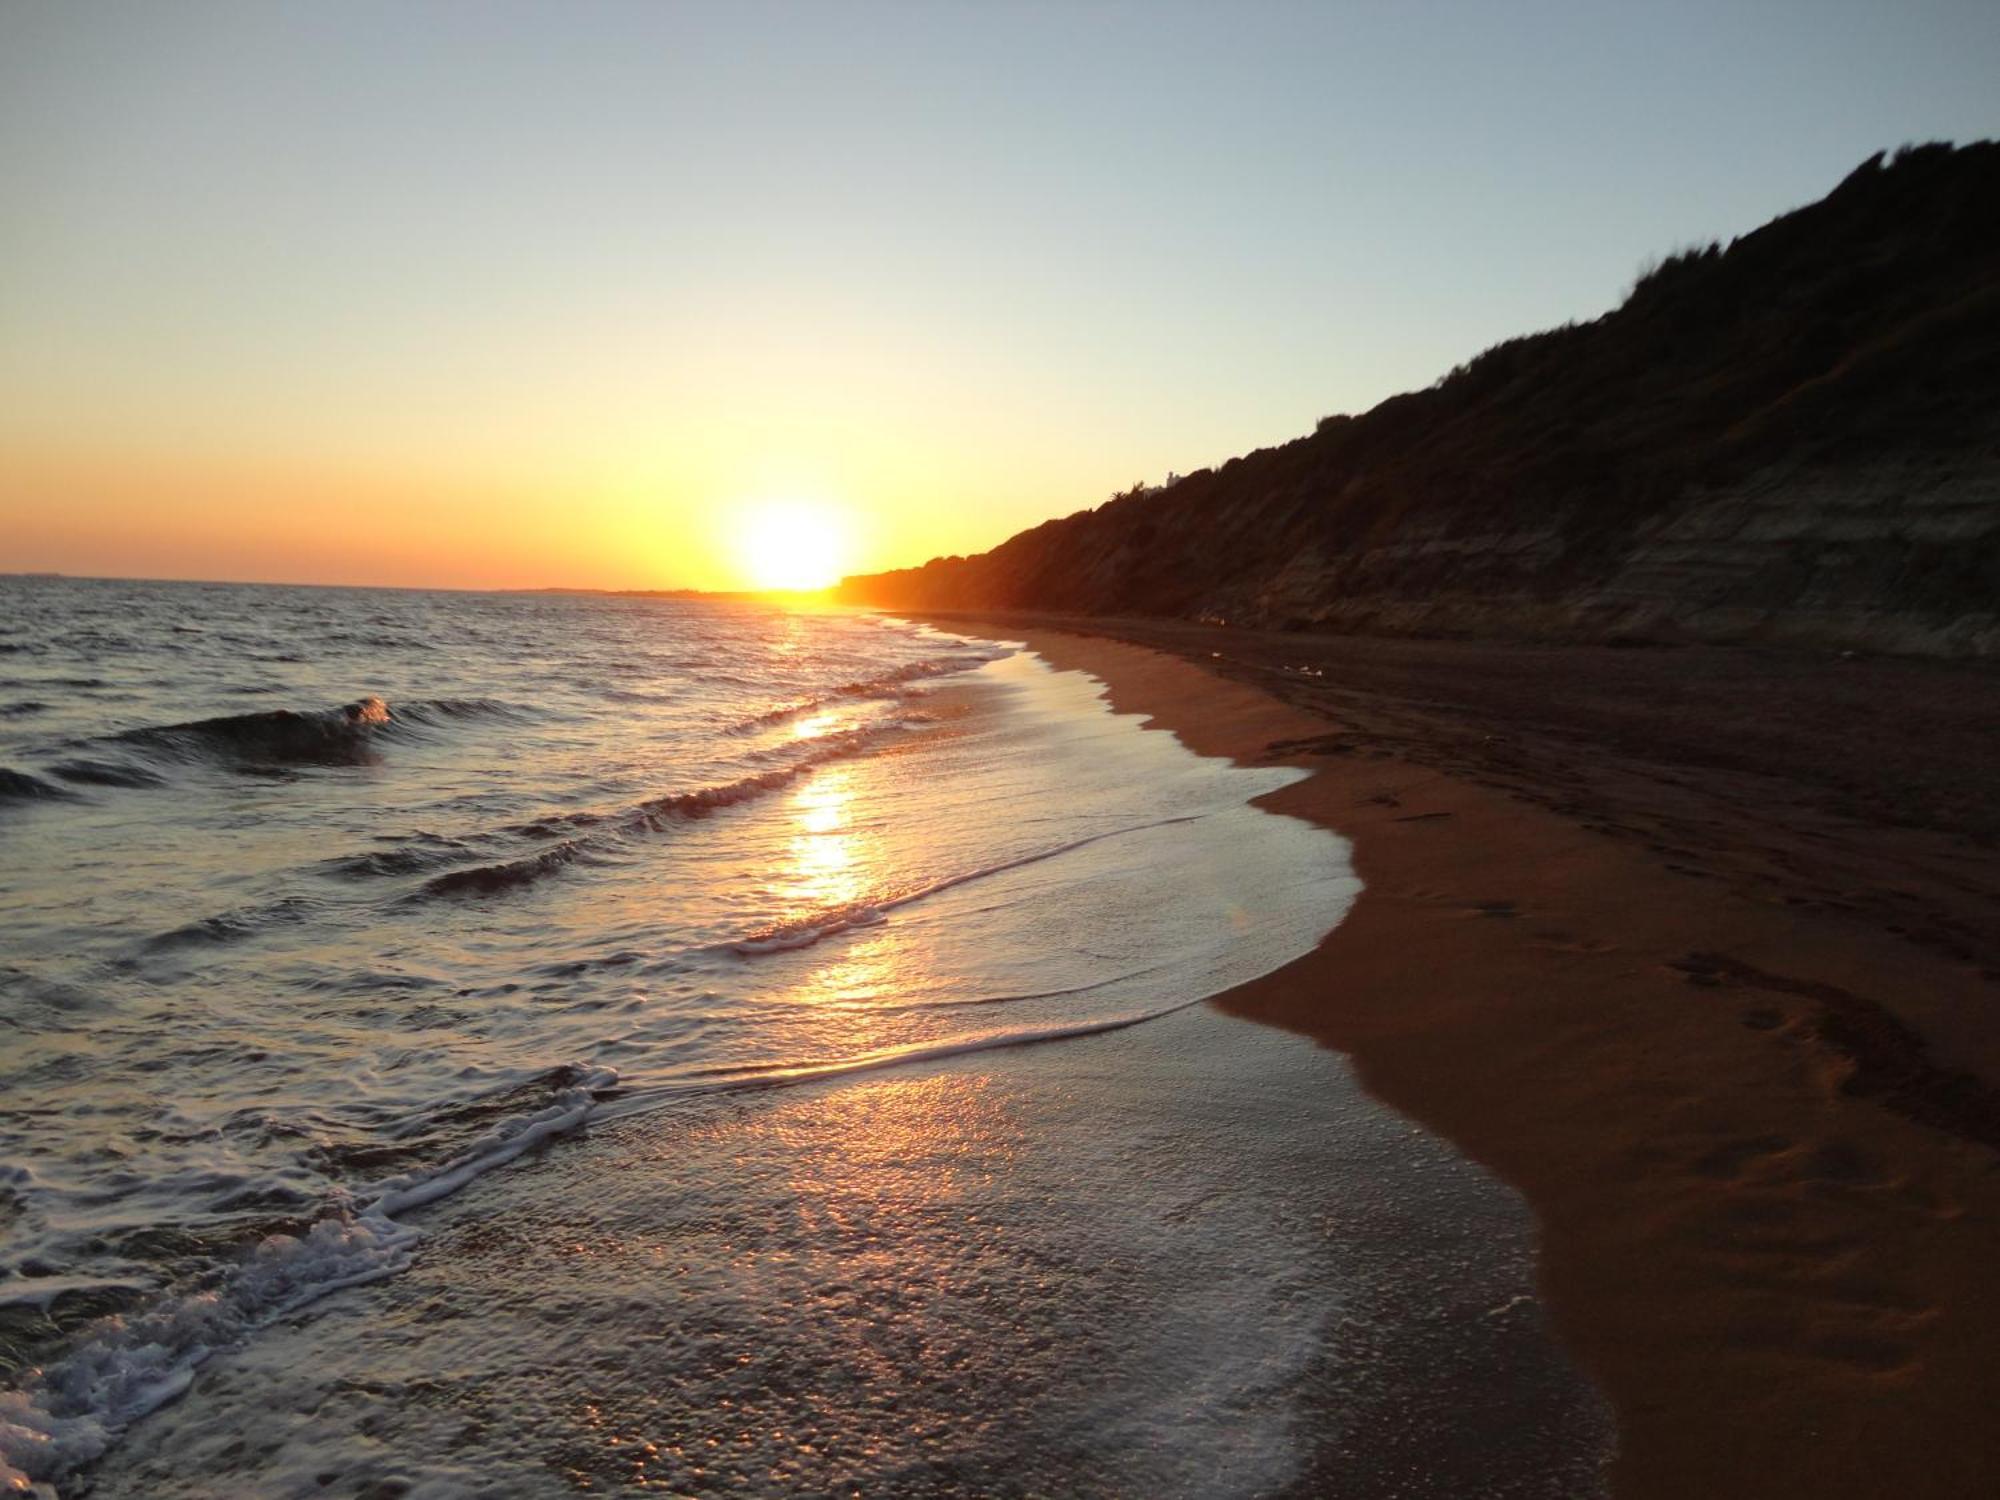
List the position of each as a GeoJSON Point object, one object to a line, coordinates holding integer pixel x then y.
{"type": "Point", "coordinates": [69, 1413]}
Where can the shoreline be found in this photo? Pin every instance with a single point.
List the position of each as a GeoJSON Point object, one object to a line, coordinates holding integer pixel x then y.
{"type": "Point", "coordinates": [1769, 1247]}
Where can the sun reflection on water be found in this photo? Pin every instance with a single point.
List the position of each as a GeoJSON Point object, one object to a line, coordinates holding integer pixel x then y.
{"type": "Point", "coordinates": [813, 726]}
{"type": "Point", "coordinates": [904, 1143]}
{"type": "Point", "coordinates": [824, 859]}
{"type": "Point", "coordinates": [828, 869]}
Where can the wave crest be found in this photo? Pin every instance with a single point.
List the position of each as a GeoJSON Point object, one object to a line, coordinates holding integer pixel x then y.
{"type": "Point", "coordinates": [279, 736]}
{"type": "Point", "coordinates": [487, 880]}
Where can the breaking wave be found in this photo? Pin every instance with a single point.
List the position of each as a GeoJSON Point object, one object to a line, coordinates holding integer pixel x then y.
{"type": "Point", "coordinates": [276, 738]}
{"type": "Point", "coordinates": [279, 736]}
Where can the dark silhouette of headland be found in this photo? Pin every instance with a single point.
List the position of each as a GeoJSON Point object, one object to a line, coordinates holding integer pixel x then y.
{"type": "Point", "coordinates": [1794, 440]}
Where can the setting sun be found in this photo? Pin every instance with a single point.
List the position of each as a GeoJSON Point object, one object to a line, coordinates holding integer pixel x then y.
{"type": "Point", "coordinates": [792, 544]}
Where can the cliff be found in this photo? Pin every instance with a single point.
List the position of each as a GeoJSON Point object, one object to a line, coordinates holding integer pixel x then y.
{"type": "Point", "coordinates": [1794, 440]}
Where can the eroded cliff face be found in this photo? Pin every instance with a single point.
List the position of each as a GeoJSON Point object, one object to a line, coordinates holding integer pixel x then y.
{"type": "Point", "coordinates": [1793, 442]}
{"type": "Point", "coordinates": [1891, 556]}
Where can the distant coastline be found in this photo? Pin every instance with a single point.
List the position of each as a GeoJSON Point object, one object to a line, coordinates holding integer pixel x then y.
{"type": "Point", "coordinates": [754, 596]}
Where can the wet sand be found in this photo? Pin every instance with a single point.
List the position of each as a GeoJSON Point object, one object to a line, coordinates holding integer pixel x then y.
{"type": "Point", "coordinates": [1695, 950]}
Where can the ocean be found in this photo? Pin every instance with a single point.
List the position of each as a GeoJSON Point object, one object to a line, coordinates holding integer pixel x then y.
{"type": "Point", "coordinates": [463, 1044]}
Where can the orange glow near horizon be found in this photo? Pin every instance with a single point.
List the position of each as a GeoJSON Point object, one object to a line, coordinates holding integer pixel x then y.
{"type": "Point", "coordinates": [160, 514]}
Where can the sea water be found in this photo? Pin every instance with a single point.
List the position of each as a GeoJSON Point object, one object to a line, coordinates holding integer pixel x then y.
{"type": "Point", "coordinates": [503, 1044]}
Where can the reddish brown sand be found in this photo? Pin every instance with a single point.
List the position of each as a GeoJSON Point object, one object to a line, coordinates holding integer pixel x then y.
{"type": "Point", "coordinates": [1769, 1198]}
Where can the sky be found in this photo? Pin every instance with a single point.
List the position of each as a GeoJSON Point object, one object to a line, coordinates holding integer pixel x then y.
{"type": "Point", "coordinates": [505, 294]}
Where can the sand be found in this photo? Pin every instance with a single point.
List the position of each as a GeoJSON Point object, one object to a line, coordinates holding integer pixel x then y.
{"type": "Point", "coordinates": [1751, 1122]}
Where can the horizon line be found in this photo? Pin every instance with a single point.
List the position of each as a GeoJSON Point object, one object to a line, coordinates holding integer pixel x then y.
{"type": "Point", "coordinates": [421, 588]}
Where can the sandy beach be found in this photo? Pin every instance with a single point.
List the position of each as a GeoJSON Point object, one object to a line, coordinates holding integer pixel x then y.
{"type": "Point", "coordinates": [1725, 1026]}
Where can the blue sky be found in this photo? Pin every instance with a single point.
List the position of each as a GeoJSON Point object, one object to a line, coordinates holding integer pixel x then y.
{"type": "Point", "coordinates": [597, 267]}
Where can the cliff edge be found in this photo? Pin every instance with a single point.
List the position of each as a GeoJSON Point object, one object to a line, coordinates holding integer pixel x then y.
{"type": "Point", "coordinates": [1792, 440]}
